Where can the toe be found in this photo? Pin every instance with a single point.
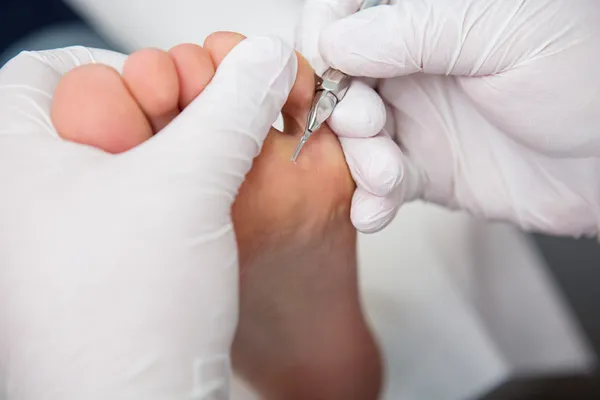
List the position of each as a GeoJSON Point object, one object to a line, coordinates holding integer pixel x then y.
{"type": "Point", "coordinates": [151, 76]}
{"type": "Point", "coordinates": [195, 70]}
{"type": "Point", "coordinates": [91, 105]}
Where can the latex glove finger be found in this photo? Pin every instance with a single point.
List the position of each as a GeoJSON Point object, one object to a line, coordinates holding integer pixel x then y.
{"type": "Point", "coordinates": [216, 138]}
{"type": "Point", "coordinates": [362, 113]}
{"type": "Point", "coordinates": [28, 81]}
{"type": "Point", "coordinates": [371, 214]}
{"type": "Point", "coordinates": [393, 40]}
{"type": "Point", "coordinates": [316, 15]}
{"type": "Point", "coordinates": [385, 177]}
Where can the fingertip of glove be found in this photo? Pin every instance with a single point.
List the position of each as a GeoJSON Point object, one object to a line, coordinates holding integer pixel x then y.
{"type": "Point", "coordinates": [362, 114]}
{"type": "Point", "coordinates": [371, 214]}
{"type": "Point", "coordinates": [376, 163]}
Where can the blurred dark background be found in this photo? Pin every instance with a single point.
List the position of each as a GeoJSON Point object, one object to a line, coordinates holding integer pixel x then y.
{"type": "Point", "coordinates": [43, 24]}
{"type": "Point", "coordinates": [22, 17]}
{"type": "Point", "coordinates": [574, 263]}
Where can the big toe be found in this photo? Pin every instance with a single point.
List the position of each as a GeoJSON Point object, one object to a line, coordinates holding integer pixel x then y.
{"type": "Point", "coordinates": [92, 106]}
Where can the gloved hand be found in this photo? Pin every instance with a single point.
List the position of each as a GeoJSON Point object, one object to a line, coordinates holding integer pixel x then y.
{"type": "Point", "coordinates": [119, 273]}
{"type": "Point", "coordinates": [494, 103]}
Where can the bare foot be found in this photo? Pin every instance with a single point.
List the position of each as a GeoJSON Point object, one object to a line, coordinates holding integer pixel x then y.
{"type": "Point", "coordinates": [301, 334]}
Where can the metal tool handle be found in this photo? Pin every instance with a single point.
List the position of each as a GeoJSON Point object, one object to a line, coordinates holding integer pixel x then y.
{"type": "Point", "coordinates": [336, 82]}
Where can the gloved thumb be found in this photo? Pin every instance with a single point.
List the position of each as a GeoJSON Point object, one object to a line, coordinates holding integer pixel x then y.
{"type": "Point", "coordinates": [431, 36]}
{"type": "Point", "coordinates": [215, 139]}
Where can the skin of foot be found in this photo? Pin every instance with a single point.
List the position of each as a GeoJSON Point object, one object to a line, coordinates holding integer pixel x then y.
{"type": "Point", "coordinates": [301, 331]}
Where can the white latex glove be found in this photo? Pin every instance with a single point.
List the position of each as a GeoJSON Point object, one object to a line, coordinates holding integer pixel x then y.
{"type": "Point", "coordinates": [119, 273]}
{"type": "Point", "coordinates": [494, 103]}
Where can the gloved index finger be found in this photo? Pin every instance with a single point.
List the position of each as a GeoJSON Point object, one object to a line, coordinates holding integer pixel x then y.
{"type": "Point", "coordinates": [28, 81]}
{"type": "Point", "coordinates": [430, 36]}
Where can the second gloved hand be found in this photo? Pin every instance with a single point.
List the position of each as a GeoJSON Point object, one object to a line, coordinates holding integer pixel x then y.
{"type": "Point", "coordinates": [495, 105]}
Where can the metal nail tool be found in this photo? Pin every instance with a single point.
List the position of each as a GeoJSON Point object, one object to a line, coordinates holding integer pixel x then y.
{"type": "Point", "coordinates": [331, 89]}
